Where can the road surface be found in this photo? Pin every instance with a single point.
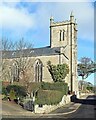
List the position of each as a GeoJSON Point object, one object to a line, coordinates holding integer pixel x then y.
{"type": "Point", "coordinates": [87, 109]}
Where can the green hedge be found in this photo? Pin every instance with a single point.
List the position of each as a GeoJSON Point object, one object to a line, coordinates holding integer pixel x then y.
{"type": "Point", "coordinates": [4, 91]}
{"type": "Point", "coordinates": [48, 97]}
{"type": "Point", "coordinates": [60, 86]}
{"type": "Point", "coordinates": [20, 91]}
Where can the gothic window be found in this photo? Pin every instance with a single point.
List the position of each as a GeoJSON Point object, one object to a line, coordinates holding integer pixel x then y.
{"type": "Point", "coordinates": [63, 34]}
{"type": "Point", "coordinates": [60, 35]}
{"type": "Point", "coordinates": [38, 71]}
{"type": "Point", "coordinates": [15, 72]}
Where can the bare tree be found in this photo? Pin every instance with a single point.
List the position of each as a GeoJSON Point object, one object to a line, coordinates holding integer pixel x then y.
{"type": "Point", "coordinates": [20, 69]}
{"type": "Point", "coordinates": [6, 70]}
{"type": "Point", "coordinates": [7, 44]}
{"type": "Point", "coordinates": [17, 45]}
{"type": "Point", "coordinates": [22, 44]}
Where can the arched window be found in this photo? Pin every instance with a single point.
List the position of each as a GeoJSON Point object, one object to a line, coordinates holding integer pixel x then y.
{"type": "Point", "coordinates": [38, 71]}
{"type": "Point", "coordinates": [63, 34]}
{"type": "Point", "coordinates": [15, 72]}
{"type": "Point", "coordinates": [60, 35]}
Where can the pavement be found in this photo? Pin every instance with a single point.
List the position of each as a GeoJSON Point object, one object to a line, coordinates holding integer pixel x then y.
{"type": "Point", "coordinates": [66, 109]}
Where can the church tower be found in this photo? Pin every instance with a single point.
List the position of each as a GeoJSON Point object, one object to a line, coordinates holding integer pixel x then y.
{"type": "Point", "coordinates": [64, 35]}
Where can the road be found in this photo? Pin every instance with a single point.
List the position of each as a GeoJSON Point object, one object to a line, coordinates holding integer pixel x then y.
{"type": "Point", "coordinates": [87, 109]}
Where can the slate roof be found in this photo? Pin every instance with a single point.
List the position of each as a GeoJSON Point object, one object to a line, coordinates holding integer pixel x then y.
{"type": "Point", "coordinates": [45, 51]}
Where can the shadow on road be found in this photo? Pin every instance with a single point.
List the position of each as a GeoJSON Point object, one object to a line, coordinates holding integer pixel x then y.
{"type": "Point", "coordinates": [90, 100]}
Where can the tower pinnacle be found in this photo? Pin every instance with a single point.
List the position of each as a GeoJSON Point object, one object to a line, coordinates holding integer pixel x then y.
{"type": "Point", "coordinates": [51, 19]}
{"type": "Point", "coordinates": [71, 17]}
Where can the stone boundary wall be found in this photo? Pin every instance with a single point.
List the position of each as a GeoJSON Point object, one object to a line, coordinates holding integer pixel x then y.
{"type": "Point", "coordinates": [85, 94]}
{"type": "Point", "coordinates": [48, 108]}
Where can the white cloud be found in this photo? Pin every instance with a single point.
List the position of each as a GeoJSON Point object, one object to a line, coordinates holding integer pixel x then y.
{"type": "Point", "coordinates": [16, 19]}
{"type": "Point", "coordinates": [19, 19]}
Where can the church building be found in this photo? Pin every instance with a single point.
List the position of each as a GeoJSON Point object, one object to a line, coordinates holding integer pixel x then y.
{"type": "Point", "coordinates": [62, 49]}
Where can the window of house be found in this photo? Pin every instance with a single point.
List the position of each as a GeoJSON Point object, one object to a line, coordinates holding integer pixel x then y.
{"type": "Point", "coordinates": [15, 72]}
{"type": "Point", "coordinates": [38, 71]}
{"type": "Point", "coordinates": [60, 35]}
{"type": "Point", "coordinates": [63, 34]}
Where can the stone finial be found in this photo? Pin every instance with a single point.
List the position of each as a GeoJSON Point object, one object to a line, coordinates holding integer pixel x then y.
{"type": "Point", "coordinates": [71, 17]}
{"type": "Point", "coordinates": [75, 21]}
{"type": "Point", "coordinates": [75, 24]}
{"type": "Point", "coordinates": [51, 19]}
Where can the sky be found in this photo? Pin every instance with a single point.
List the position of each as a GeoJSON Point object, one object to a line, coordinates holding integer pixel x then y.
{"type": "Point", "coordinates": [30, 19]}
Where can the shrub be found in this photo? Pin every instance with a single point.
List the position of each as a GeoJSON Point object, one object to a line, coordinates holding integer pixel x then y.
{"type": "Point", "coordinates": [20, 91]}
{"type": "Point", "coordinates": [4, 91]}
{"type": "Point", "coordinates": [90, 88]}
{"type": "Point", "coordinates": [48, 97]}
{"type": "Point", "coordinates": [12, 94]}
{"type": "Point", "coordinates": [58, 72]}
{"type": "Point", "coordinates": [60, 86]}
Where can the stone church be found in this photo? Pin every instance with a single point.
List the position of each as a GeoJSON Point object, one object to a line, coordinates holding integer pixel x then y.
{"type": "Point", "coordinates": [62, 49]}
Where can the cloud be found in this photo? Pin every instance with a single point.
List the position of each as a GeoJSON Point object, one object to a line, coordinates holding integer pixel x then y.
{"type": "Point", "coordinates": [19, 19]}
{"type": "Point", "coordinates": [16, 19]}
